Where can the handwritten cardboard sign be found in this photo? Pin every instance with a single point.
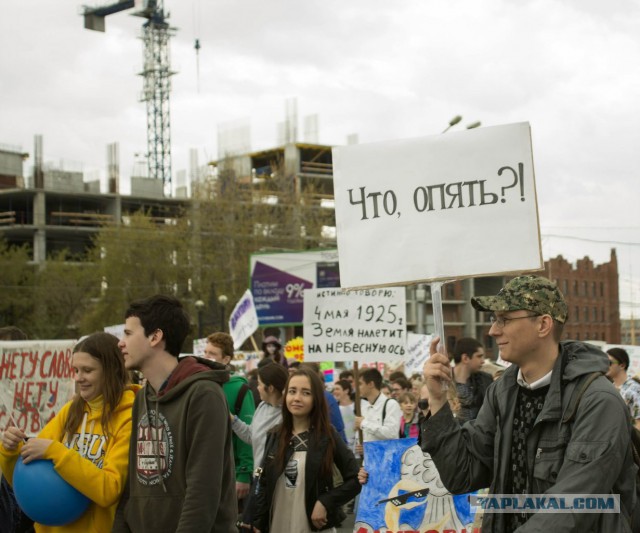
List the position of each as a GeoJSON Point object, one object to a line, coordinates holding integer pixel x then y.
{"type": "Point", "coordinates": [365, 325]}
{"type": "Point", "coordinates": [36, 380]}
{"type": "Point", "coordinates": [437, 208]}
{"type": "Point", "coordinates": [417, 353]}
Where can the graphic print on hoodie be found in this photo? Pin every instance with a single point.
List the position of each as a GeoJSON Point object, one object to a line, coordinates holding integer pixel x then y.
{"type": "Point", "coordinates": [154, 445]}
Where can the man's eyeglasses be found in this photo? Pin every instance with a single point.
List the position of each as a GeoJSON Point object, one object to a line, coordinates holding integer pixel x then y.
{"type": "Point", "coordinates": [612, 362]}
{"type": "Point", "coordinates": [502, 321]}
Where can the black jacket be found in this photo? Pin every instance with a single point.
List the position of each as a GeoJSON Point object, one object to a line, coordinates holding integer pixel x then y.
{"type": "Point", "coordinates": [480, 382]}
{"type": "Point", "coordinates": [317, 487]}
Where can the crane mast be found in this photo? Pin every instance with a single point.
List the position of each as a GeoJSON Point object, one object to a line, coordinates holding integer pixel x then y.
{"type": "Point", "coordinates": [156, 74]}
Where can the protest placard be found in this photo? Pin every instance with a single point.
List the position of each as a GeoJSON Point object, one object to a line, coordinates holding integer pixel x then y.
{"type": "Point", "coordinates": [36, 380]}
{"type": "Point", "coordinates": [427, 209]}
{"type": "Point", "coordinates": [417, 353]}
{"type": "Point", "coordinates": [199, 346]}
{"type": "Point", "coordinates": [243, 320]}
{"type": "Point", "coordinates": [294, 349]}
{"type": "Point", "coordinates": [363, 325]}
{"type": "Point", "coordinates": [116, 330]}
{"type": "Point", "coordinates": [404, 493]}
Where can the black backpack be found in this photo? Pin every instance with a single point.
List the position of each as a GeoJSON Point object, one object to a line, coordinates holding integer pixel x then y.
{"type": "Point", "coordinates": [242, 392]}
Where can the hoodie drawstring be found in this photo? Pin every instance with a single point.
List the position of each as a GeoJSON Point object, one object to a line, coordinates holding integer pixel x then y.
{"type": "Point", "coordinates": [82, 448]}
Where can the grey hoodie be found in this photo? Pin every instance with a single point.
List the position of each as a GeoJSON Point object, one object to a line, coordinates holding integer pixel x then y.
{"type": "Point", "coordinates": [266, 417]}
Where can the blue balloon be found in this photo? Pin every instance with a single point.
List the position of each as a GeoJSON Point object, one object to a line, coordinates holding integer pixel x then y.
{"type": "Point", "coordinates": [44, 496]}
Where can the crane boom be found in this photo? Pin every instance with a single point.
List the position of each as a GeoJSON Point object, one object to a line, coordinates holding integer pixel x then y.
{"type": "Point", "coordinates": [94, 16]}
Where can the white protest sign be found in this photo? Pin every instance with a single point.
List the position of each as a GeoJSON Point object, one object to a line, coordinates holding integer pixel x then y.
{"type": "Point", "coordinates": [36, 380]}
{"type": "Point", "coordinates": [243, 320]}
{"type": "Point", "coordinates": [199, 346]}
{"type": "Point", "coordinates": [365, 325]}
{"type": "Point", "coordinates": [432, 208]}
{"type": "Point", "coordinates": [417, 353]}
{"type": "Point", "coordinates": [117, 331]}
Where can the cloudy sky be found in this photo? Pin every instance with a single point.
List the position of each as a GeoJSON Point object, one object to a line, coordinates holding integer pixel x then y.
{"type": "Point", "coordinates": [382, 70]}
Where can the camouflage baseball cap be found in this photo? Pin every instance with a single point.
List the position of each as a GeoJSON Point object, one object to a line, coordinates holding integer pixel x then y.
{"type": "Point", "coordinates": [529, 293]}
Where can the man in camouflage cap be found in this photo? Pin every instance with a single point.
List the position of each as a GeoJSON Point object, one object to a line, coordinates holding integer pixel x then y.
{"type": "Point", "coordinates": [518, 443]}
{"type": "Point", "coordinates": [531, 293]}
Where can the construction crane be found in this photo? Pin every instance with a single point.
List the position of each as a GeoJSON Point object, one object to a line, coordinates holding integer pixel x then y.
{"type": "Point", "coordinates": [156, 74]}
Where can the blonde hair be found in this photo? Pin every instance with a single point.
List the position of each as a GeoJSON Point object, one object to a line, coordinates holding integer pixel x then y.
{"type": "Point", "coordinates": [454, 401]}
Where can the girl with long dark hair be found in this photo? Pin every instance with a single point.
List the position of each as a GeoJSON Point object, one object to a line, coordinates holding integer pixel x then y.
{"type": "Point", "coordinates": [308, 473]}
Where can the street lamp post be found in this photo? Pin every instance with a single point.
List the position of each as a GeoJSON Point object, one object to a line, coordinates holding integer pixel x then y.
{"type": "Point", "coordinates": [452, 123]}
{"type": "Point", "coordinates": [222, 300]}
{"type": "Point", "coordinates": [199, 308]}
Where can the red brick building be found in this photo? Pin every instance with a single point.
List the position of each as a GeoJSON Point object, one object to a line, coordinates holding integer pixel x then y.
{"type": "Point", "coordinates": [592, 295]}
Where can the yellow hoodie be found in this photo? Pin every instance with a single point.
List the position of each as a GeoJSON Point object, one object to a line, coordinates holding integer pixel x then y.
{"type": "Point", "coordinates": [95, 465]}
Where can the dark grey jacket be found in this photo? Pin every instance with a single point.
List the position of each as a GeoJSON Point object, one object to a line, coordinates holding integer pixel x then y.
{"type": "Point", "coordinates": [590, 456]}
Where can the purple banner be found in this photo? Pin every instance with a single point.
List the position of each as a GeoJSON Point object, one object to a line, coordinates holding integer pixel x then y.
{"type": "Point", "coordinates": [277, 295]}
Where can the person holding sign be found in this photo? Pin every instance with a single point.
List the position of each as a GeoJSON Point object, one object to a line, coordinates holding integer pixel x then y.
{"type": "Point", "coordinates": [308, 472]}
{"type": "Point", "coordinates": [530, 435]}
{"type": "Point", "coordinates": [88, 440]}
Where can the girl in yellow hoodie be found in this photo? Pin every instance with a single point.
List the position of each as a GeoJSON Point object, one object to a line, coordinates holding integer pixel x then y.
{"type": "Point", "coordinates": [88, 440]}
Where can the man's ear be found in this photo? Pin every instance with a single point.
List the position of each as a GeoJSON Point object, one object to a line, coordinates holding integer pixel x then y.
{"type": "Point", "coordinates": [464, 358]}
{"type": "Point", "coordinates": [156, 337]}
{"type": "Point", "coordinates": [545, 326]}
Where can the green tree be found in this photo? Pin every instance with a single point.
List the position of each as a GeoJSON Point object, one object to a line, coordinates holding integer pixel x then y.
{"type": "Point", "coordinates": [142, 257]}
{"type": "Point", "coordinates": [63, 291]}
{"type": "Point", "coordinates": [16, 284]}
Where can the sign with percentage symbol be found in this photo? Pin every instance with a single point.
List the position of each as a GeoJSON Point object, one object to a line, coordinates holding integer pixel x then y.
{"type": "Point", "coordinates": [278, 282]}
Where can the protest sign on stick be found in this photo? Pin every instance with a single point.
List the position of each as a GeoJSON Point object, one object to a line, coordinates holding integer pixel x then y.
{"type": "Point", "coordinates": [36, 380]}
{"type": "Point", "coordinates": [426, 209]}
{"type": "Point", "coordinates": [362, 325]}
{"type": "Point", "coordinates": [417, 353]}
{"type": "Point", "coordinates": [243, 321]}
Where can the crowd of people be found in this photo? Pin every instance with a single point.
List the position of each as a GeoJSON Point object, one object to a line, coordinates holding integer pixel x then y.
{"type": "Point", "coordinates": [201, 447]}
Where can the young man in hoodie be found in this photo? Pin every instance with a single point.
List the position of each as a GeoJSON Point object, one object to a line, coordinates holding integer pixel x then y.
{"type": "Point", "coordinates": [219, 348]}
{"type": "Point", "coordinates": [529, 437]}
{"type": "Point", "coordinates": [181, 472]}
